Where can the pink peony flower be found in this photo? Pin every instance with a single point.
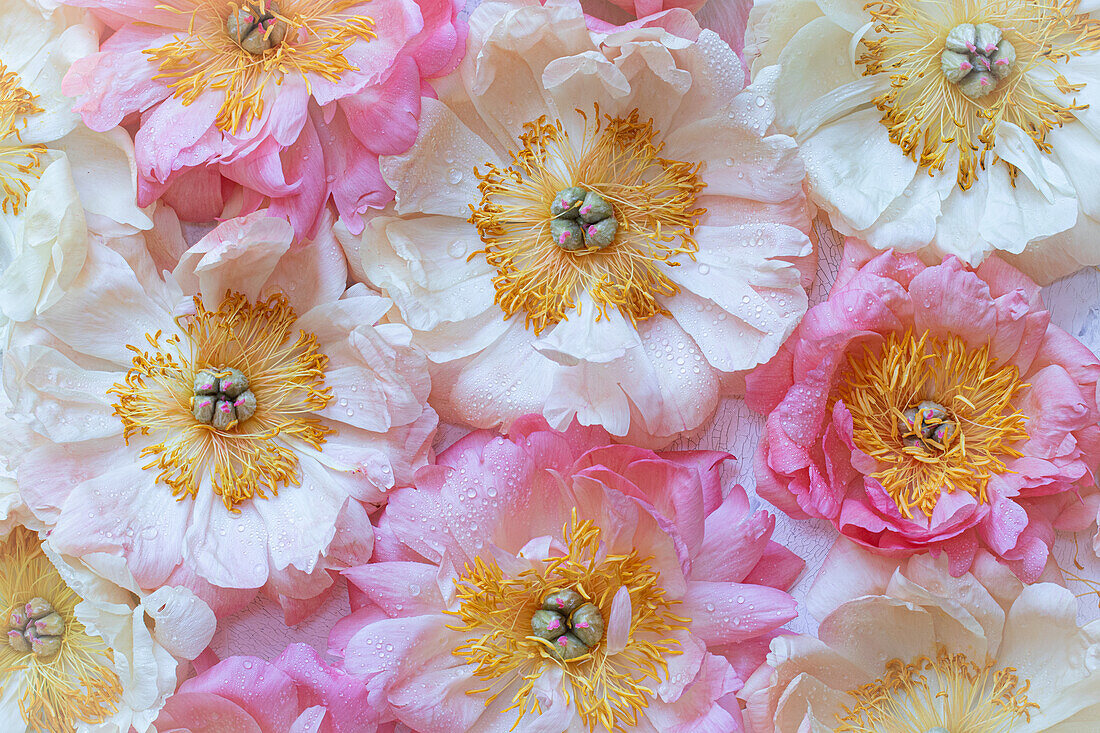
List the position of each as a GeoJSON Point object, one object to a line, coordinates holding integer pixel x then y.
{"type": "Point", "coordinates": [932, 408]}
{"type": "Point", "coordinates": [226, 427]}
{"type": "Point", "coordinates": [283, 103]}
{"type": "Point", "coordinates": [550, 581]}
{"type": "Point", "coordinates": [297, 693]}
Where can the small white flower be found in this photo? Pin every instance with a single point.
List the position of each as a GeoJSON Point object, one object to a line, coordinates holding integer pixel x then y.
{"type": "Point", "coordinates": [591, 226]}
{"type": "Point", "coordinates": [904, 646]}
{"type": "Point", "coordinates": [59, 181]}
{"type": "Point", "coordinates": [84, 649]}
{"type": "Point", "coordinates": [948, 127]}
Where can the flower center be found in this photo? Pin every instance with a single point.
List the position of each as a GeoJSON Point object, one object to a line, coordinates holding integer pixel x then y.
{"type": "Point", "coordinates": [216, 421]}
{"type": "Point", "coordinates": [604, 215]}
{"type": "Point", "coordinates": [36, 629]}
{"type": "Point", "coordinates": [572, 624]}
{"type": "Point", "coordinates": [256, 27]}
{"type": "Point", "coordinates": [20, 165]}
{"type": "Point", "coordinates": [976, 57]}
{"type": "Point", "coordinates": [935, 415]}
{"type": "Point", "coordinates": [66, 675]}
{"type": "Point", "coordinates": [222, 398]}
{"type": "Point", "coordinates": [945, 694]}
{"type": "Point", "coordinates": [958, 69]}
{"type": "Point", "coordinates": [237, 49]}
{"type": "Point", "coordinates": [514, 627]}
{"type": "Point", "coordinates": [581, 219]}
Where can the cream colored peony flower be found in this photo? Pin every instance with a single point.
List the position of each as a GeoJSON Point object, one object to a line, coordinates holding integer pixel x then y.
{"type": "Point", "coordinates": [85, 649]}
{"type": "Point", "coordinates": [59, 181]}
{"type": "Point", "coordinates": [903, 646]}
{"type": "Point", "coordinates": [968, 125]}
{"type": "Point", "coordinates": [591, 225]}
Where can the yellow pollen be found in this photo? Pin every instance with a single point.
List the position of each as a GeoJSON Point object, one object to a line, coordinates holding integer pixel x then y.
{"type": "Point", "coordinates": [948, 691]}
{"type": "Point", "coordinates": [882, 383]}
{"type": "Point", "coordinates": [609, 691]}
{"type": "Point", "coordinates": [287, 378]}
{"type": "Point", "coordinates": [654, 203]}
{"type": "Point", "coordinates": [205, 56]}
{"type": "Point", "coordinates": [927, 115]}
{"type": "Point", "coordinates": [79, 682]}
{"type": "Point", "coordinates": [20, 165]}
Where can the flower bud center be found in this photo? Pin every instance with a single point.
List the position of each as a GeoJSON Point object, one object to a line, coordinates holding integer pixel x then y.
{"type": "Point", "coordinates": [573, 625]}
{"type": "Point", "coordinates": [36, 628]}
{"type": "Point", "coordinates": [976, 58]}
{"type": "Point", "coordinates": [582, 219]}
{"type": "Point", "coordinates": [928, 426]}
{"type": "Point", "coordinates": [222, 398]}
{"type": "Point", "coordinates": [256, 27]}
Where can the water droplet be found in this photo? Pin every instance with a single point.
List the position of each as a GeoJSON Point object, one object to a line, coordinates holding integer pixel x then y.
{"type": "Point", "coordinates": [759, 101]}
{"type": "Point", "coordinates": [455, 176]}
{"type": "Point", "coordinates": [457, 248]}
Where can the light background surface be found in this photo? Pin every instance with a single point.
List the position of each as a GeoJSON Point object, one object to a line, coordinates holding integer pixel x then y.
{"type": "Point", "coordinates": [1074, 302]}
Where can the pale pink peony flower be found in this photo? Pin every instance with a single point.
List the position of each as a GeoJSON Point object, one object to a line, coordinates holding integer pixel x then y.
{"type": "Point", "coordinates": [296, 693]}
{"type": "Point", "coordinates": [151, 447]}
{"type": "Point", "coordinates": [283, 103]}
{"type": "Point", "coordinates": [638, 554]}
{"type": "Point", "coordinates": [903, 645]}
{"type": "Point", "coordinates": [1007, 441]}
{"type": "Point", "coordinates": [691, 264]}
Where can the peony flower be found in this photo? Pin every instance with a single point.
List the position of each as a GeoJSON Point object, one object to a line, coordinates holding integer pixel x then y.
{"type": "Point", "coordinates": [283, 103]}
{"type": "Point", "coordinates": [682, 274]}
{"type": "Point", "coordinates": [297, 693]}
{"type": "Point", "coordinates": [904, 646]}
{"type": "Point", "coordinates": [941, 126]}
{"type": "Point", "coordinates": [549, 581]}
{"type": "Point", "coordinates": [932, 408]}
{"type": "Point", "coordinates": [226, 428]}
{"type": "Point", "coordinates": [57, 179]}
{"type": "Point", "coordinates": [85, 648]}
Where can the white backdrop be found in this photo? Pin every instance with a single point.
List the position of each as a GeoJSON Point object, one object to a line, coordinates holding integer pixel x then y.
{"type": "Point", "coordinates": [1075, 305]}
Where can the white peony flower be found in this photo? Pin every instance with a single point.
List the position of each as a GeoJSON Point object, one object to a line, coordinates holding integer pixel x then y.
{"type": "Point", "coordinates": [904, 646]}
{"type": "Point", "coordinates": [945, 126]}
{"type": "Point", "coordinates": [591, 225]}
{"type": "Point", "coordinates": [59, 181]}
{"type": "Point", "coordinates": [84, 648]}
{"type": "Point", "coordinates": [226, 426]}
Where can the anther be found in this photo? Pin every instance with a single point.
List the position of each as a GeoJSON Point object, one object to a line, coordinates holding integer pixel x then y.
{"type": "Point", "coordinates": [582, 219]}
{"type": "Point", "coordinates": [976, 57]}
{"type": "Point", "coordinates": [222, 398]}
{"type": "Point", "coordinates": [36, 629]}
{"type": "Point", "coordinates": [256, 27]}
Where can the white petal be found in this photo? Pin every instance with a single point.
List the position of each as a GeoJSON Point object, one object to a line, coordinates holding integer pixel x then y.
{"type": "Point", "coordinates": [854, 169]}
{"type": "Point", "coordinates": [183, 624]}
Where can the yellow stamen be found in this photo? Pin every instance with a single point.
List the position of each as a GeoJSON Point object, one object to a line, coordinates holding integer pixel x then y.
{"type": "Point", "coordinates": [927, 115]}
{"type": "Point", "coordinates": [609, 691]}
{"type": "Point", "coordinates": [881, 383]}
{"type": "Point", "coordinates": [287, 378]}
{"type": "Point", "coordinates": [79, 683]}
{"type": "Point", "coordinates": [206, 57]}
{"type": "Point", "coordinates": [948, 691]}
{"type": "Point", "coordinates": [654, 202]}
{"type": "Point", "coordinates": [20, 165]}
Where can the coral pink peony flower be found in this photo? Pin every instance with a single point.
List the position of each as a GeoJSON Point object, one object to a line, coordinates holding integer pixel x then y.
{"type": "Point", "coordinates": [297, 693]}
{"type": "Point", "coordinates": [932, 408]}
{"type": "Point", "coordinates": [226, 428]}
{"type": "Point", "coordinates": [277, 102]}
{"type": "Point", "coordinates": [549, 581]}
{"type": "Point", "coordinates": [904, 646]}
